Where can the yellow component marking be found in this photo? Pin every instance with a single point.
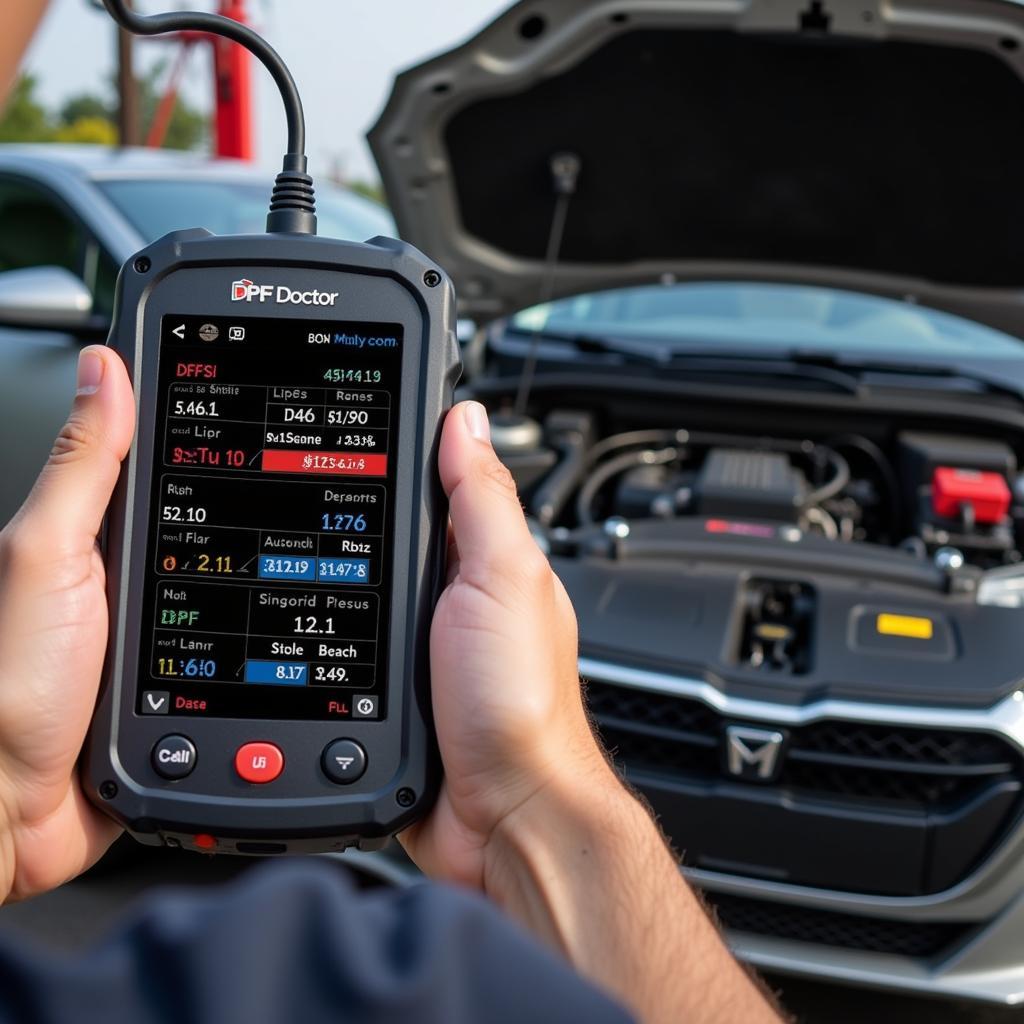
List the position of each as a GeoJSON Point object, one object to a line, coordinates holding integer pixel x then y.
{"type": "Point", "coordinates": [913, 626]}
{"type": "Point", "coordinates": [772, 631]}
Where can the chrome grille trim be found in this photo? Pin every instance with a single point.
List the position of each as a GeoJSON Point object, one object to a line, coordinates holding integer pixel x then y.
{"type": "Point", "coordinates": [1005, 718]}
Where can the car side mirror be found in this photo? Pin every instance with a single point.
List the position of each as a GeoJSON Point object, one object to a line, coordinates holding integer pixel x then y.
{"type": "Point", "coordinates": [48, 298]}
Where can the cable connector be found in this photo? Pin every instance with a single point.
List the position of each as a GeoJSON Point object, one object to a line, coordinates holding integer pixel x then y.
{"type": "Point", "coordinates": [292, 203]}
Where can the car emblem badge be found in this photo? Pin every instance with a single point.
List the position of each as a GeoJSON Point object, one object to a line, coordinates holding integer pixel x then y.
{"type": "Point", "coordinates": [753, 754]}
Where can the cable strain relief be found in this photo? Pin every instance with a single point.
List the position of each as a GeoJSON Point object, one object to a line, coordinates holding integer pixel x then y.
{"type": "Point", "coordinates": [293, 202]}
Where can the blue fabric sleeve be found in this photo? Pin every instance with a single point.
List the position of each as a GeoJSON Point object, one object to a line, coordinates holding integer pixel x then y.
{"type": "Point", "coordinates": [295, 942]}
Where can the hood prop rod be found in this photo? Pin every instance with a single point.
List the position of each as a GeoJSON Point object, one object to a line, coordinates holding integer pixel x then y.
{"type": "Point", "coordinates": [565, 172]}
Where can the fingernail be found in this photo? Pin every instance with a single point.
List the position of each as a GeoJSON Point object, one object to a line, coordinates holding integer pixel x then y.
{"type": "Point", "coordinates": [90, 372]}
{"type": "Point", "coordinates": [476, 421]}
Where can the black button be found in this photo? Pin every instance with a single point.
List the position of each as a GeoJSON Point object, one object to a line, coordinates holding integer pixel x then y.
{"type": "Point", "coordinates": [344, 761]}
{"type": "Point", "coordinates": [174, 757]}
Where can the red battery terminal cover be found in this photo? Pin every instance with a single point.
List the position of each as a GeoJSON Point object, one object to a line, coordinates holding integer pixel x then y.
{"type": "Point", "coordinates": [988, 494]}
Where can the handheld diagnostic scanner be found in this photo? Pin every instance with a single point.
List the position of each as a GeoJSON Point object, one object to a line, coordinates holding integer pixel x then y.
{"type": "Point", "coordinates": [275, 544]}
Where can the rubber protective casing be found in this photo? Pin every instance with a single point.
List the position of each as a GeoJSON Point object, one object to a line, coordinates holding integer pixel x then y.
{"type": "Point", "coordinates": [383, 280]}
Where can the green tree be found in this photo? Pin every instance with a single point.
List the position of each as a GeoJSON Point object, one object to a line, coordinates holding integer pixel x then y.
{"type": "Point", "coordinates": [92, 117]}
{"type": "Point", "coordinates": [87, 105]}
{"type": "Point", "coordinates": [188, 127]}
{"type": "Point", "coordinates": [96, 131]}
{"type": "Point", "coordinates": [371, 189]}
{"type": "Point", "coordinates": [87, 118]}
{"type": "Point", "coordinates": [24, 118]}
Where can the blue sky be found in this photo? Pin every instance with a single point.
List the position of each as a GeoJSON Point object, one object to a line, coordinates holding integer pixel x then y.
{"type": "Point", "coordinates": [343, 54]}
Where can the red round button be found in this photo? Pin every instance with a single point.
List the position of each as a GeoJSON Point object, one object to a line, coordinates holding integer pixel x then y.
{"type": "Point", "coordinates": [259, 762]}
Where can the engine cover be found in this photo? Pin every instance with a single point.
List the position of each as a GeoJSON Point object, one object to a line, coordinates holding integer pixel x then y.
{"type": "Point", "coordinates": [749, 484]}
{"type": "Point", "coordinates": [674, 599]}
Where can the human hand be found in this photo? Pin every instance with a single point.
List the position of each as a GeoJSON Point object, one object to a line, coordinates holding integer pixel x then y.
{"type": "Point", "coordinates": [530, 811]}
{"type": "Point", "coordinates": [506, 691]}
{"type": "Point", "coordinates": [53, 634]}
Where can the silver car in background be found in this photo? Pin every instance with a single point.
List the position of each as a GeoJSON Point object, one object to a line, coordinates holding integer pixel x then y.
{"type": "Point", "coordinates": [69, 217]}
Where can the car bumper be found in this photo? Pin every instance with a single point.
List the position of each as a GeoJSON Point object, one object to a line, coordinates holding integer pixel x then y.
{"type": "Point", "coordinates": [988, 967]}
{"type": "Point", "coordinates": [966, 941]}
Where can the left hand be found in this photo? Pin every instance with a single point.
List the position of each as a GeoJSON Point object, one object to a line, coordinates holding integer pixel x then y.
{"type": "Point", "coordinates": [53, 635]}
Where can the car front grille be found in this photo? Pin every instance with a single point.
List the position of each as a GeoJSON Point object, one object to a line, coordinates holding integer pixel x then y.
{"type": "Point", "coordinates": [918, 939]}
{"type": "Point", "coordinates": [888, 765]}
{"type": "Point", "coordinates": [904, 765]}
{"type": "Point", "coordinates": [894, 810]}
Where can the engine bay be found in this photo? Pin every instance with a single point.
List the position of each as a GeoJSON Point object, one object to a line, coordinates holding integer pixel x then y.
{"type": "Point", "coordinates": [956, 495]}
{"type": "Point", "coordinates": [871, 556]}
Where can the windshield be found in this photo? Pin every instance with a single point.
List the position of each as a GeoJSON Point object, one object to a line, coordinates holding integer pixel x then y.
{"type": "Point", "coordinates": [769, 318]}
{"type": "Point", "coordinates": [156, 206]}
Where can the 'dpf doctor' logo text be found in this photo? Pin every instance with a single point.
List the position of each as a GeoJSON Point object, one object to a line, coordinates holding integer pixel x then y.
{"type": "Point", "coordinates": [240, 290]}
{"type": "Point", "coordinates": [245, 291]}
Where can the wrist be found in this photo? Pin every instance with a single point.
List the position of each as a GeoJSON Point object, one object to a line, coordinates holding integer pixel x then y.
{"type": "Point", "coordinates": [578, 823]}
{"type": "Point", "coordinates": [584, 867]}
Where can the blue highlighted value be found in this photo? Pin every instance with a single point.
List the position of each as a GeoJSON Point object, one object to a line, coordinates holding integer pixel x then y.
{"type": "Point", "coordinates": [343, 570]}
{"type": "Point", "coordinates": [275, 567]}
{"type": "Point", "coordinates": [277, 673]}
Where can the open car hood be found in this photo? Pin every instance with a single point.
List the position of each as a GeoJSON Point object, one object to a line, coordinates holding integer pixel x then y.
{"type": "Point", "coordinates": [877, 147]}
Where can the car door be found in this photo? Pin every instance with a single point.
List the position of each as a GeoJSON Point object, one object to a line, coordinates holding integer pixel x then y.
{"type": "Point", "coordinates": [38, 229]}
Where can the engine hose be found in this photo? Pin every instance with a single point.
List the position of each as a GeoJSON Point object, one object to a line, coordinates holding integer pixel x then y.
{"type": "Point", "coordinates": [632, 438]}
{"type": "Point", "coordinates": [555, 490]}
{"type": "Point", "coordinates": [819, 517]}
{"type": "Point", "coordinates": [882, 464]}
{"type": "Point", "coordinates": [552, 496]}
{"type": "Point", "coordinates": [840, 479]}
{"type": "Point", "coordinates": [612, 468]}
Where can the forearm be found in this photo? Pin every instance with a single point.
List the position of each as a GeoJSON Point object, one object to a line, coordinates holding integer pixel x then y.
{"type": "Point", "coordinates": [584, 866]}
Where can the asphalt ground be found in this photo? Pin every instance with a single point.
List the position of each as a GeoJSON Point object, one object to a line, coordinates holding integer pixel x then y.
{"type": "Point", "coordinates": [81, 911]}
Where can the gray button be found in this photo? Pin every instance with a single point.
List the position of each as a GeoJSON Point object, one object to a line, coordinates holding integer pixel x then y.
{"type": "Point", "coordinates": [174, 757]}
{"type": "Point", "coordinates": [364, 706]}
{"type": "Point", "coordinates": [156, 702]}
{"type": "Point", "coordinates": [344, 761]}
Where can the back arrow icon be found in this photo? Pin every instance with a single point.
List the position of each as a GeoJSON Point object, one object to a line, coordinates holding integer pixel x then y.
{"type": "Point", "coordinates": [179, 331]}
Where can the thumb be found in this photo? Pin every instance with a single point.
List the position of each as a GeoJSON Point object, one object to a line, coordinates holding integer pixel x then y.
{"type": "Point", "coordinates": [488, 524]}
{"type": "Point", "coordinates": [68, 502]}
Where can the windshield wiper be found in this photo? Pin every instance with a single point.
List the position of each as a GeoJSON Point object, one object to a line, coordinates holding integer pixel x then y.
{"type": "Point", "coordinates": [955, 377]}
{"type": "Point", "coordinates": [844, 373]}
{"type": "Point", "coordinates": [711, 364]}
{"type": "Point", "coordinates": [757, 366]}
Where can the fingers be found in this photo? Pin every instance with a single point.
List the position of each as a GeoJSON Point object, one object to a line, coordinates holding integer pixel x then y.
{"type": "Point", "coordinates": [70, 497]}
{"type": "Point", "coordinates": [487, 520]}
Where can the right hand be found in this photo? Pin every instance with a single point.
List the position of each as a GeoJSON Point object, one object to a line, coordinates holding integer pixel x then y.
{"type": "Point", "coordinates": [530, 811]}
{"type": "Point", "coordinates": [506, 689]}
